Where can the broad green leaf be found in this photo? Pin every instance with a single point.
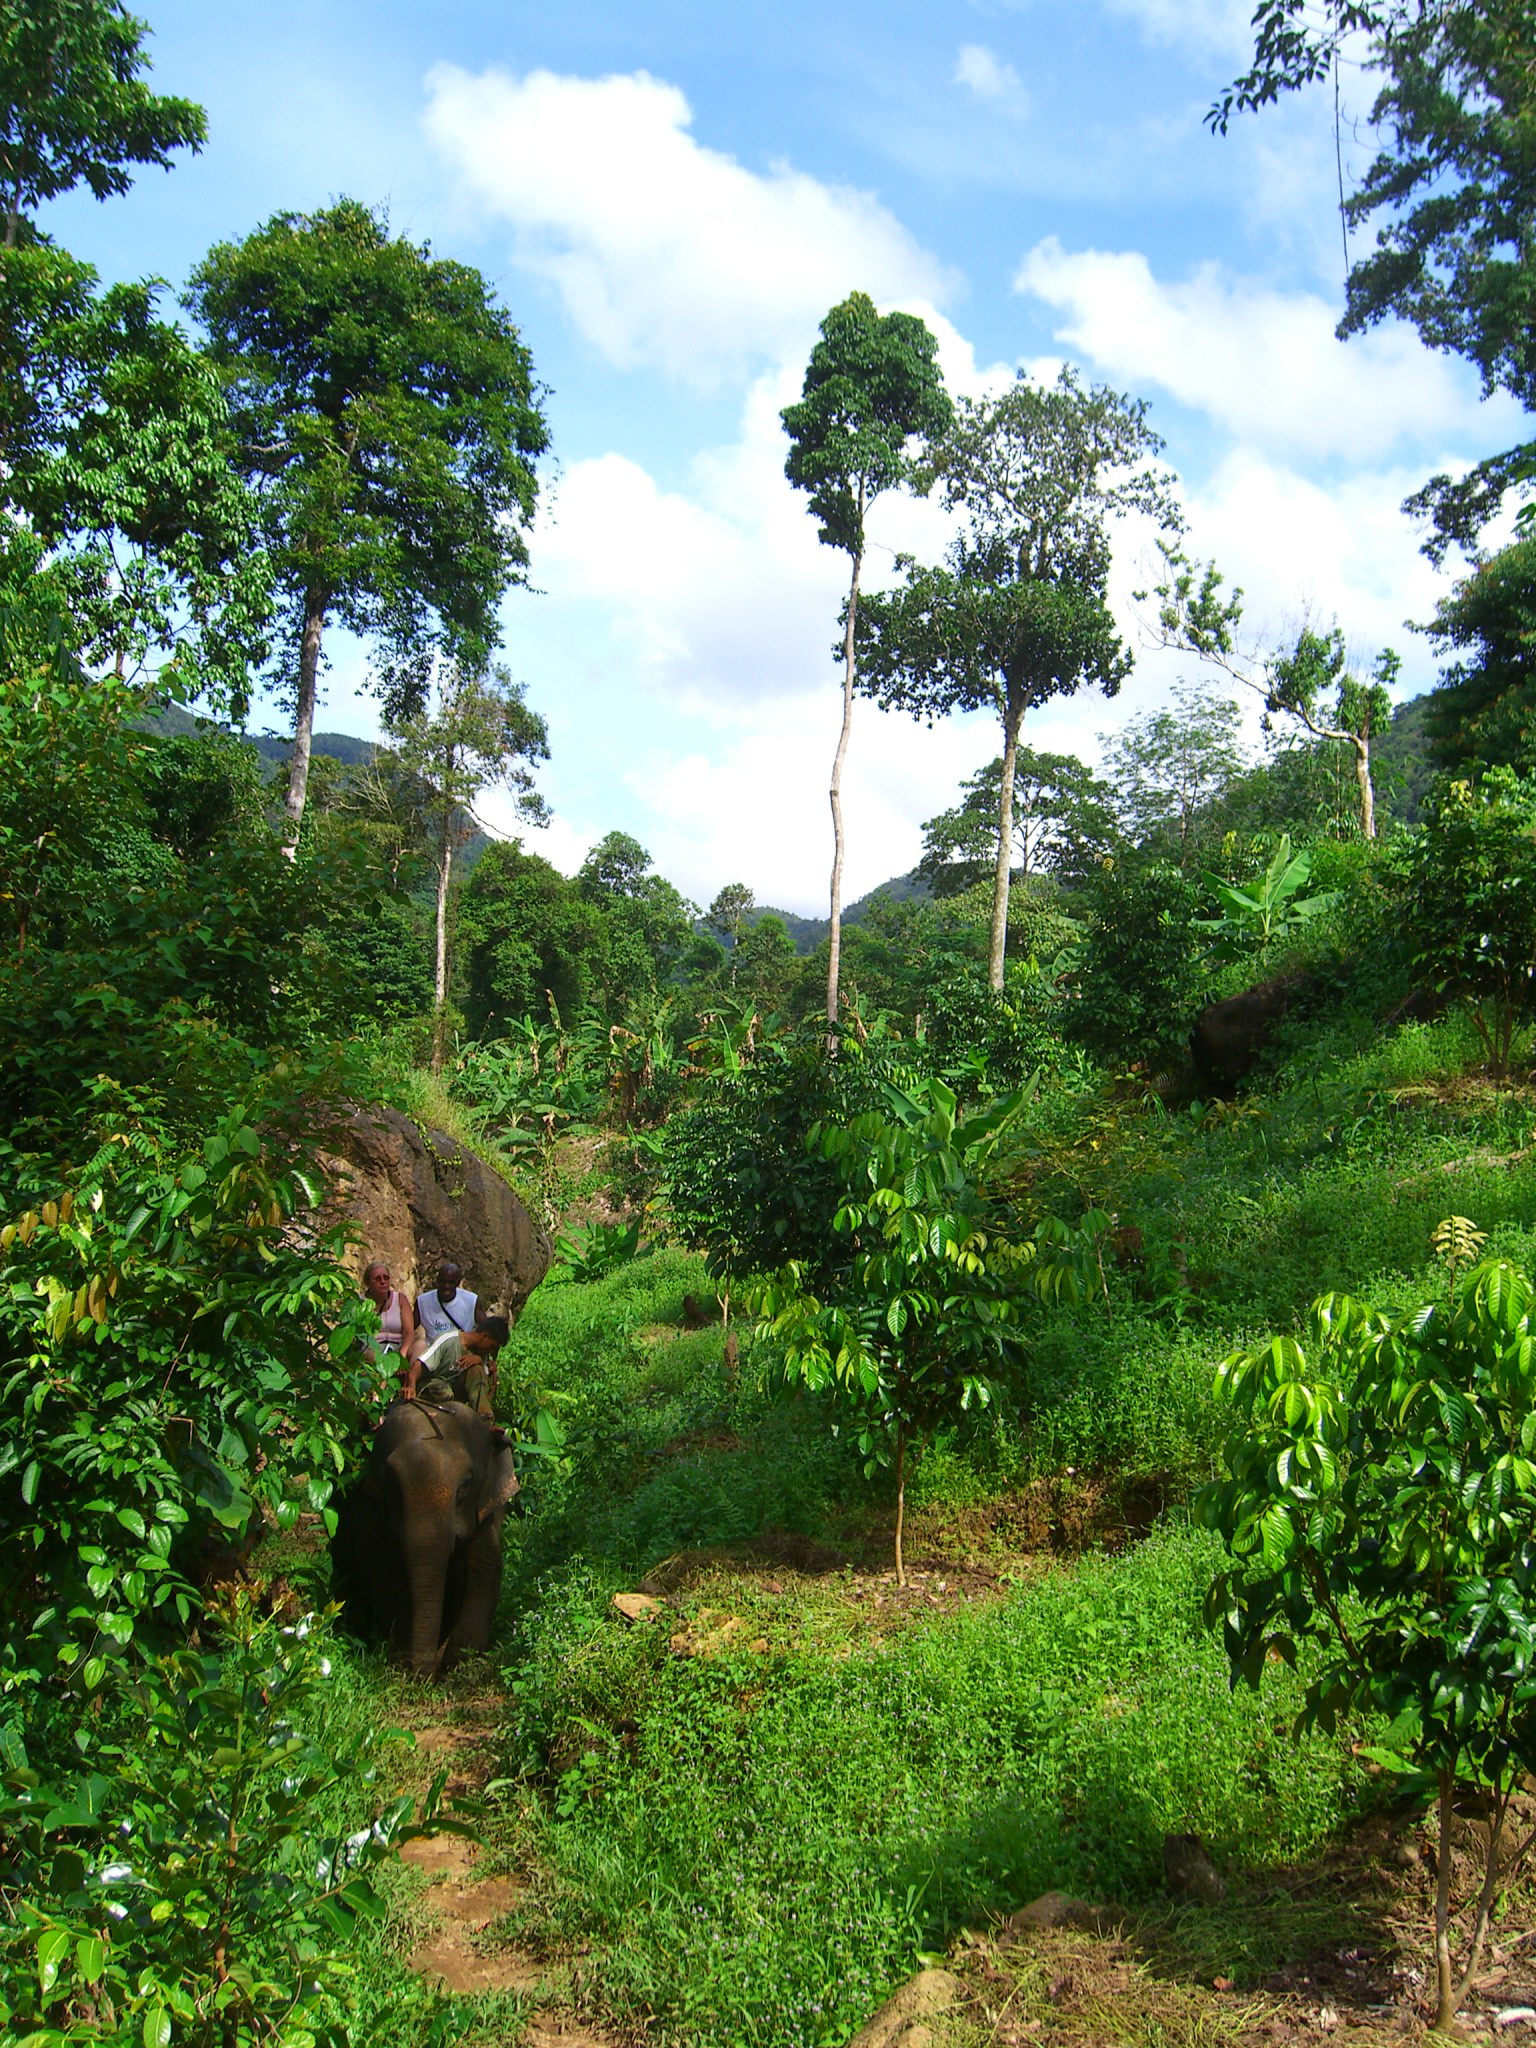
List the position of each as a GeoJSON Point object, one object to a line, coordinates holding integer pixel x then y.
{"type": "Point", "coordinates": [52, 1948]}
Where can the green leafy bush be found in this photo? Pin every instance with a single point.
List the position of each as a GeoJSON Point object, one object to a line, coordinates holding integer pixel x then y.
{"type": "Point", "coordinates": [1141, 975]}
{"type": "Point", "coordinates": [169, 1354]}
{"type": "Point", "coordinates": [915, 1325]}
{"type": "Point", "coordinates": [182, 1888]}
{"type": "Point", "coordinates": [1379, 1501]}
{"type": "Point", "coordinates": [1469, 886]}
{"type": "Point", "coordinates": [592, 1250]}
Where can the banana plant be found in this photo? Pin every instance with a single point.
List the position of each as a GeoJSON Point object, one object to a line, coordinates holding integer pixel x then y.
{"type": "Point", "coordinates": [1272, 908]}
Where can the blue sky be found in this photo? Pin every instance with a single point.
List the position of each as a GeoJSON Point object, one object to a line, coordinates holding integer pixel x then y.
{"type": "Point", "coordinates": [669, 197]}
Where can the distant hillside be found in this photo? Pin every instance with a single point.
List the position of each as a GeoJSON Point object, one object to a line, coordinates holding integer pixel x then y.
{"type": "Point", "coordinates": [1400, 762]}
{"type": "Point", "coordinates": [808, 932]}
{"type": "Point", "coordinates": [341, 746]}
{"type": "Point", "coordinates": [273, 747]}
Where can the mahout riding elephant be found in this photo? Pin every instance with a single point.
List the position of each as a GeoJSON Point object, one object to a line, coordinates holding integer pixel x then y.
{"type": "Point", "coordinates": [417, 1548]}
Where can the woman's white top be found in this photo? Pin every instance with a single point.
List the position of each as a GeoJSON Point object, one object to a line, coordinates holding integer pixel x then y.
{"type": "Point", "coordinates": [392, 1331]}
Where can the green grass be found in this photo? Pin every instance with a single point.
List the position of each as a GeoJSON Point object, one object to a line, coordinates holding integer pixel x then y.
{"type": "Point", "coordinates": [666, 1450]}
{"type": "Point", "coordinates": [753, 1844]}
{"type": "Point", "coordinates": [757, 1844]}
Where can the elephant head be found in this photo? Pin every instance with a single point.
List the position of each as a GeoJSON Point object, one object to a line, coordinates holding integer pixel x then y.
{"type": "Point", "coordinates": [418, 1543]}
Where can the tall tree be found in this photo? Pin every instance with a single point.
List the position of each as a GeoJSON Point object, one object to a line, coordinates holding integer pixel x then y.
{"type": "Point", "coordinates": [1021, 613]}
{"type": "Point", "coordinates": [649, 924]}
{"type": "Point", "coordinates": [386, 408]}
{"type": "Point", "coordinates": [1173, 764]}
{"type": "Point", "coordinates": [1484, 709]}
{"type": "Point", "coordinates": [726, 917]}
{"type": "Point", "coordinates": [1449, 192]}
{"type": "Point", "coordinates": [114, 456]}
{"type": "Point", "coordinates": [872, 387]}
{"type": "Point", "coordinates": [1195, 615]}
{"type": "Point", "coordinates": [74, 107]}
{"type": "Point", "coordinates": [1061, 814]}
{"type": "Point", "coordinates": [731, 908]}
{"type": "Point", "coordinates": [473, 733]}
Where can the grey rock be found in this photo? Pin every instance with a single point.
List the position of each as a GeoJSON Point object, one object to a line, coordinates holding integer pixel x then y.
{"type": "Point", "coordinates": [418, 1197]}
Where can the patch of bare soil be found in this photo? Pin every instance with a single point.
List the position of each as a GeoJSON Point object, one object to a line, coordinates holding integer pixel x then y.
{"type": "Point", "coordinates": [1059, 1516]}
{"type": "Point", "coordinates": [464, 1900]}
{"type": "Point", "coordinates": [1341, 1949]}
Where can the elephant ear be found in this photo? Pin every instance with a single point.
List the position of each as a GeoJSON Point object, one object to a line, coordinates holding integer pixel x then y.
{"type": "Point", "coordinates": [500, 1480]}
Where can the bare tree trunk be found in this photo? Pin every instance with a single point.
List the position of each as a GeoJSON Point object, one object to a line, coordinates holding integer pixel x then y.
{"type": "Point", "coordinates": [997, 951]}
{"type": "Point", "coordinates": [1489, 1890]}
{"type": "Point", "coordinates": [1362, 744]}
{"type": "Point", "coordinates": [1445, 1983]}
{"type": "Point", "coordinates": [304, 719]}
{"type": "Point", "coordinates": [835, 933]}
{"type": "Point", "coordinates": [440, 967]}
{"type": "Point", "coordinates": [901, 1498]}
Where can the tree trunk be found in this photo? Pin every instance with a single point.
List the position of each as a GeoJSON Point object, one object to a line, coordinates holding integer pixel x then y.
{"type": "Point", "coordinates": [1489, 1890]}
{"type": "Point", "coordinates": [901, 1498]}
{"type": "Point", "coordinates": [315, 603]}
{"type": "Point", "coordinates": [835, 932]}
{"type": "Point", "coordinates": [440, 966]}
{"type": "Point", "coordinates": [1445, 1983]}
{"type": "Point", "coordinates": [1363, 778]}
{"type": "Point", "coordinates": [997, 951]}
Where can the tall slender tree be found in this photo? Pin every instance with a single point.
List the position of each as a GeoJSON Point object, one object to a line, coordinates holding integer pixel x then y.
{"type": "Point", "coordinates": [872, 387]}
{"type": "Point", "coordinates": [470, 734]}
{"type": "Point", "coordinates": [387, 411]}
{"type": "Point", "coordinates": [1021, 612]}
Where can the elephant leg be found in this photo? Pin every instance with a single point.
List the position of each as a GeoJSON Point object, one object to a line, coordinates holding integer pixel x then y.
{"type": "Point", "coordinates": [365, 1561]}
{"type": "Point", "coordinates": [482, 1588]}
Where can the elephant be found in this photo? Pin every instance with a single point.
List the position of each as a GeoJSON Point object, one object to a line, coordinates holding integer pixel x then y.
{"type": "Point", "coordinates": [417, 1548]}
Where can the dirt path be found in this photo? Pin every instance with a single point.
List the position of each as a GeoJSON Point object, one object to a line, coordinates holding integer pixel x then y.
{"type": "Point", "coordinates": [462, 1901]}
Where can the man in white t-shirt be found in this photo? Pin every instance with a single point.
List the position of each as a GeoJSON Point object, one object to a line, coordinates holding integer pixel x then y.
{"type": "Point", "coordinates": [447, 1306]}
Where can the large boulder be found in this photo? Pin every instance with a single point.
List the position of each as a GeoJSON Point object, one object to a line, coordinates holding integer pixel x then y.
{"type": "Point", "coordinates": [418, 1197]}
{"type": "Point", "coordinates": [1229, 1036]}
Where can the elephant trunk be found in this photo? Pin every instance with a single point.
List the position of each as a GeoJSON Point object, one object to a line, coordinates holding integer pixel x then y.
{"type": "Point", "coordinates": [426, 1544]}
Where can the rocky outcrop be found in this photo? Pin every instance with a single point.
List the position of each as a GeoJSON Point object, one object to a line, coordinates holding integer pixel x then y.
{"type": "Point", "coordinates": [1229, 1036]}
{"type": "Point", "coordinates": [904, 2022]}
{"type": "Point", "coordinates": [418, 1197]}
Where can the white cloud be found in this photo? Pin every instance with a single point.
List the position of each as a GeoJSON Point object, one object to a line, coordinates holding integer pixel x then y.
{"type": "Point", "coordinates": [720, 593]}
{"type": "Point", "coordinates": [665, 252]}
{"type": "Point", "coordinates": [1204, 26]}
{"type": "Point", "coordinates": [752, 806]}
{"type": "Point", "coordinates": [683, 653]}
{"type": "Point", "coordinates": [1264, 364]}
{"type": "Point", "coordinates": [1302, 550]}
{"type": "Point", "coordinates": [985, 74]}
